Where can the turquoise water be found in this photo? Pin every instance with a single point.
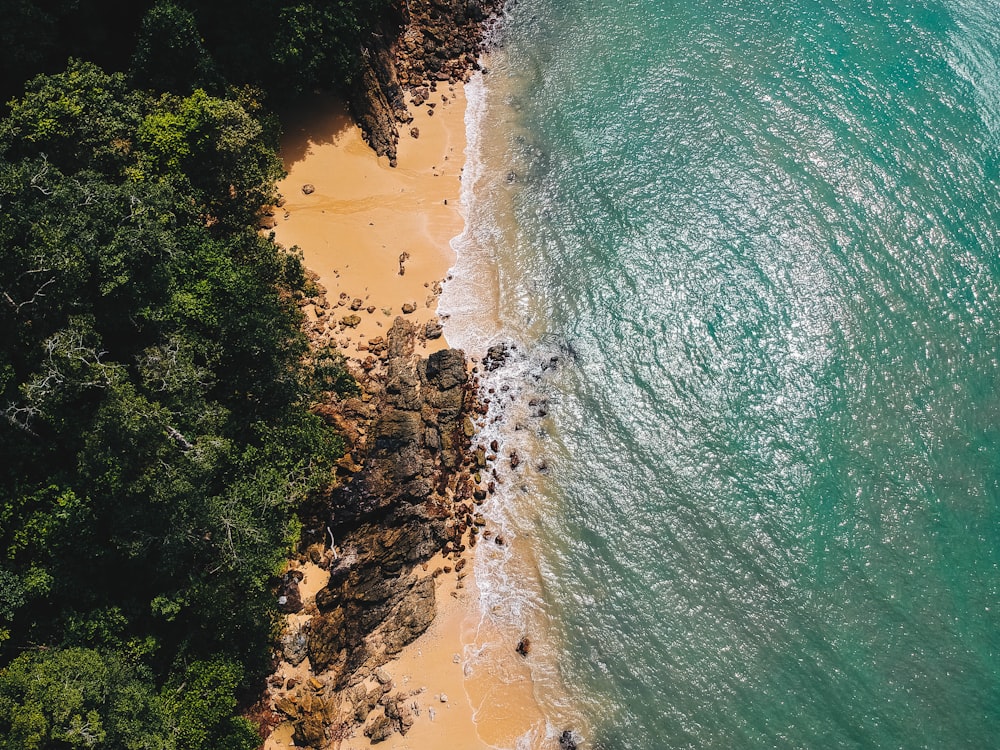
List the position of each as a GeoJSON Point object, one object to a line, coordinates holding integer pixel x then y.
{"type": "Point", "coordinates": [762, 508]}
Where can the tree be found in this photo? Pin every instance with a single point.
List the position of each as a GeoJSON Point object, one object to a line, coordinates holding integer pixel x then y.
{"type": "Point", "coordinates": [53, 699]}
{"type": "Point", "coordinates": [156, 430]}
{"type": "Point", "coordinates": [81, 118]}
{"type": "Point", "coordinates": [170, 55]}
{"type": "Point", "coordinates": [214, 147]}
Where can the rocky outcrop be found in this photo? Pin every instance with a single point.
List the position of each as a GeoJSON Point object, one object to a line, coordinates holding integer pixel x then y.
{"type": "Point", "coordinates": [312, 709]}
{"type": "Point", "coordinates": [404, 495]}
{"type": "Point", "coordinates": [377, 100]}
{"type": "Point", "coordinates": [420, 44]}
{"type": "Point", "coordinates": [394, 508]}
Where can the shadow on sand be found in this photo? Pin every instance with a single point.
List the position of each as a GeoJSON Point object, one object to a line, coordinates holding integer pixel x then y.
{"type": "Point", "coordinates": [315, 120]}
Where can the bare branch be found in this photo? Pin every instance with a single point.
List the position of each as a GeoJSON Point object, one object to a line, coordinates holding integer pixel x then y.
{"type": "Point", "coordinates": [40, 176]}
{"type": "Point", "coordinates": [179, 438]}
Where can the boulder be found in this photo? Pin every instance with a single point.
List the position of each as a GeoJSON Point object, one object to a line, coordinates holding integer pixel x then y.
{"type": "Point", "coordinates": [496, 356]}
{"type": "Point", "coordinates": [567, 741]}
{"type": "Point", "coordinates": [411, 617]}
{"type": "Point", "coordinates": [379, 729]}
{"type": "Point", "coordinates": [295, 644]}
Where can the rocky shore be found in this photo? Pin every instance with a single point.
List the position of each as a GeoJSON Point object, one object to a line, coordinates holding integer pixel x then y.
{"type": "Point", "coordinates": [401, 511]}
{"type": "Point", "coordinates": [422, 44]}
{"type": "Point", "coordinates": [405, 492]}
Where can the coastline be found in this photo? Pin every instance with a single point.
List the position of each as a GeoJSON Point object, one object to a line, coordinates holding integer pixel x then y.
{"type": "Point", "coordinates": [358, 201]}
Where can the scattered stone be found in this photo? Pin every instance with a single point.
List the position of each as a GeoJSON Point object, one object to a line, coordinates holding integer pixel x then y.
{"type": "Point", "coordinates": [568, 741]}
{"type": "Point", "coordinates": [379, 729]}
{"type": "Point", "coordinates": [444, 698]}
{"type": "Point", "coordinates": [356, 303]}
{"type": "Point", "coordinates": [433, 329]}
{"type": "Point", "coordinates": [308, 188]}
{"type": "Point", "coordinates": [524, 646]}
{"type": "Point", "coordinates": [414, 132]}
{"type": "Point", "coordinates": [409, 307]}
{"type": "Point", "coordinates": [351, 321]}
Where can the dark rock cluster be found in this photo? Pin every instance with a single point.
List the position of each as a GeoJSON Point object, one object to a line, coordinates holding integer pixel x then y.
{"type": "Point", "coordinates": [423, 44]}
{"type": "Point", "coordinates": [404, 493]}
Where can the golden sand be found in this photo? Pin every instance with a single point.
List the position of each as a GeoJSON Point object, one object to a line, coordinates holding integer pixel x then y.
{"type": "Point", "coordinates": [373, 232]}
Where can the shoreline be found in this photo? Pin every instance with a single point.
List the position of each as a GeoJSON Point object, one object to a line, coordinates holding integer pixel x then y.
{"type": "Point", "coordinates": [358, 201]}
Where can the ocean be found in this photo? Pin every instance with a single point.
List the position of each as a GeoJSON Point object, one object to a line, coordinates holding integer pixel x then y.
{"type": "Point", "coordinates": [745, 260]}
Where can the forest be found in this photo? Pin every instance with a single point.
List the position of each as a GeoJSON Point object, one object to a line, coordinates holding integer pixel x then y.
{"type": "Point", "coordinates": [155, 383]}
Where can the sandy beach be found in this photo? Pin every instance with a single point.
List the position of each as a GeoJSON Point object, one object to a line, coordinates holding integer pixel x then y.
{"type": "Point", "coordinates": [372, 232]}
{"type": "Point", "coordinates": [382, 235]}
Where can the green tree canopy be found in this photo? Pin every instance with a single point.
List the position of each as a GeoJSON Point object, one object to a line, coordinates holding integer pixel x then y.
{"type": "Point", "coordinates": [157, 434]}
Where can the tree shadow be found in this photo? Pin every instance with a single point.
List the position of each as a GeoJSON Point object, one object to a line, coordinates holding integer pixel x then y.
{"type": "Point", "coordinates": [314, 120]}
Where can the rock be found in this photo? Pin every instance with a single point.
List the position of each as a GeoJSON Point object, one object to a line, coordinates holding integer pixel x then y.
{"type": "Point", "coordinates": [295, 644]}
{"type": "Point", "coordinates": [568, 741]}
{"type": "Point", "coordinates": [308, 188]}
{"type": "Point", "coordinates": [289, 598]}
{"type": "Point", "coordinates": [409, 307]}
{"type": "Point", "coordinates": [408, 438]}
{"type": "Point", "coordinates": [327, 638]}
{"type": "Point", "coordinates": [377, 101]}
{"type": "Point", "coordinates": [444, 698]}
{"type": "Point", "coordinates": [411, 617]}
{"type": "Point", "coordinates": [356, 304]}
{"type": "Point", "coordinates": [433, 329]}
{"type": "Point", "coordinates": [382, 677]}
{"type": "Point", "coordinates": [398, 710]}
{"type": "Point", "coordinates": [496, 356]}
{"type": "Point", "coordinates": [379, 729]}
{"type": "Point", "coordinates": [351, 321]}
{"type": "Point", "coordinates": [414, 132]}
{"type": "Point", "coordinates": [524, 646]}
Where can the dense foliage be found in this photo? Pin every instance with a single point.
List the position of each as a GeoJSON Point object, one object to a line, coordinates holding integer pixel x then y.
{"type": "Point", "coordinates": [284, 47]}
{"type": "Point", "coordinates": [156, 432]}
